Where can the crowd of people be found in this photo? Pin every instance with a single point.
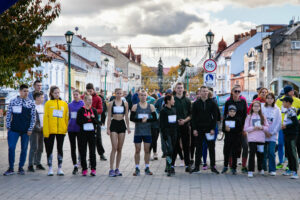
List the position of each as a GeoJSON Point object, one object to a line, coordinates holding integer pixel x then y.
{"type": "Point", "coordinates": [188, 129]}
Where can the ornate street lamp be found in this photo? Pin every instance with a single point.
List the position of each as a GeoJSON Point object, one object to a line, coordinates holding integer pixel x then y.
{"type": "Point", "coordinates": [69, 39]}
{"type": "Point", "coordinates": [210, 39]}
{"type": "Point", "coordinates": [106, 61]}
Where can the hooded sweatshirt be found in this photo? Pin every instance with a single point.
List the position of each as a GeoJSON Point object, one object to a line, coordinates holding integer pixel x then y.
{"type": "Point", "coordinates": [273, 115]}
{"type": "Point", "coordinates": [73, 109]}
{"type": "Point", "coordinates": [255, 135]}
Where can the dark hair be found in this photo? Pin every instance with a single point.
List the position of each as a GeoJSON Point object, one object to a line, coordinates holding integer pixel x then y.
{"type": "Point", "coordinates": [37, 94]}
{"type": "Point", "coordinates": [154, 96]}
{"type": "Point", "coordinates": [24, 86]}
{"type": "Point", "coordinates": [203, 87]}
{"type": "Point", "coordinates": [52, 88]}
{"type": "Point", "coordinates": [89, 86]}
{"type": "Point", "coordinates": [37, 81]}
{"type": "Point", "coordinates": [273, 97]}
{"type": "Point", "coordinates": [262, 118]}
{"type": "Point", "coordinates": [167, 98]}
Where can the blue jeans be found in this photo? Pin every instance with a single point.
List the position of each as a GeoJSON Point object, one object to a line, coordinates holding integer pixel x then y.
{"type": "Point", "coordinates": [204, 150]}
{"type": "Point", "coordinates": [269, 154]}
{"type": "Point", "coordinates": [12, 140]}
{"type": "Point", "coordinates": [281, 147]}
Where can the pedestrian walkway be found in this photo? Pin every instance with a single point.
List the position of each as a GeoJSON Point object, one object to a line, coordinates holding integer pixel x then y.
{"type": "Point", "coordinates": [183, 186]}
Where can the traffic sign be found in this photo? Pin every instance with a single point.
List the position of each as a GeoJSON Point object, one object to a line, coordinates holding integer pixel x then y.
{"type": "Point", "coordinates": [210, 65]}
{"type": "Point", "coordinates": [209, 79]}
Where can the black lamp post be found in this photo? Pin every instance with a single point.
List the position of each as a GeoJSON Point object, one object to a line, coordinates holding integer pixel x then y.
{"type": "Point", "coordinates": [69, 39]}
{"type": "Point", "coordinates": [210, 39]}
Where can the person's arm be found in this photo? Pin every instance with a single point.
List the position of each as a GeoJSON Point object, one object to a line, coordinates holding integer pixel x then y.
{"type": "Point", "coordinates": [223, 125]}
{"type": "Point", "coordinates": [248, 127]}
{"type": "Point", "coordinates": [189, 109]}
{"type": "Point", "coordinates": [126, 117]}
{"type": "Point", "coordinates": [33, 115]}
{"type": "Point", "coordinates": [194, 115]}
{"type": "Point", "coordinates": [80, 118]}
{"type": "Point", "coordinates": [66, 114]}
{"type": "Point", "coordinates": [96, 118]}
{"type": "Point", "coordinates": [214, 115]}
{"type": "Point", "coordinates": [46, 120]}
{"type": "Point", "coordinates": [153, 114]}
{"type": "Point", "coordinates": [294, 123]}
{"type": "Point", "coordinates": [162, 124]}
{"type": "Point", "coordinates": [99, 105]}
{"type": "Point", "coordinates": [109, 117]}
{"type": "Point", "coordinates": [133, 117]}
{"type": "Point", "coordinates": [8, 116]}
{"type": "Point", "coordinates": [277, 122]}
{"type": "Point", "coordinates": [266, 126]}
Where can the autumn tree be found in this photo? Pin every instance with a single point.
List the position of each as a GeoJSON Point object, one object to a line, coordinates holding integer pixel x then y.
{"type": "Point", "coordinates": [20, 27]}
{"type": "Point", "coordinates": [149, 78]}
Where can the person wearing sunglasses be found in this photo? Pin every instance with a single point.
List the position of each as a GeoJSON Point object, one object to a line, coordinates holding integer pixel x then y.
{"type": "Point", "coordinates": [241, 112]}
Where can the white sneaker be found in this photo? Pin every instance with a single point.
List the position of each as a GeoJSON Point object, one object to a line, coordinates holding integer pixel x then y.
{"type": "Point", "coordinates": [262, 172]}
{"type": "Point", "coordinates": [182, 163]}
{"type": "Point", "coordinates": [272, 173]}
{"type": "Point", "coordinates": [250, 174]}
{"type": "Point", "coordinates": [60, 172]}
{"type": "Point", "coordinates": [294, 176]}
{"type": "Point", "coordinates": [239, 161]}
{"type": "Point", "coordinates": [50, 171]}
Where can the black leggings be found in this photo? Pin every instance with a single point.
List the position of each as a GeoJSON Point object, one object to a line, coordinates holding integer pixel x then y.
{"type": "Point", "coordinates": [232, 144]}
{"type": "Point", "coordinates": [199, 149]}
{"type": "Point", "coordinates": [72, 137]}
{"type": "Point", "coordinates": [298, 144]}
{"type": "Point", "coordinates": [49, 144]}
{"type": "Point", "coordinates": [253, 146]}
{"type": "Point", "coordinates": [99, 144]}
{"type": "Point", "coordinates": [154, 134]}
{"type": "Point", "coordinates": [84, 140]}
{"type": "Point", "coordinates": [170, 147]}
{"type": "Point", "coordinates": [184, 135]}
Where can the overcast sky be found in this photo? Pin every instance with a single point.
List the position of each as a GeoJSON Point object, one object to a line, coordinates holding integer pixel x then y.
{"type": "Point", "coordinates": [168, 22]}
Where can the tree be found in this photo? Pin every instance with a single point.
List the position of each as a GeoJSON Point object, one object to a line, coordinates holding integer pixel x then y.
{"type": "Point", "coordinates": [149, 78]}
{"type": "Point", "coordinates": [160, 75]}
{"type": "Point", "coordinates": [20, 27]}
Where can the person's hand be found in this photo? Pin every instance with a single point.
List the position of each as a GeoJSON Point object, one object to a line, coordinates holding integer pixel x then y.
{"type": "Point", "coordinates": [212, 132]}
{"type": "Point", "coordinates": [256, 128]}
{"type": "Point", "coordinates": [144, 120]}
{"type": "Point", "coordinates": [181, 122]}
{"type": "Point", "coordinates": [195, 133]}
{"type": "Point", "coordinates": [129, 131]}
{"type": "Point", "coordinates": [93, 116]}
{"type": "Point", "coordinates": [108, 132]}
{"type": "Point", "coordinates": [29, 133]}
{"type": "Point", "coordinates": [244, 133]}
{"type": "Point", "coordinates": [283, 127]}
{"type": "Point", "coordinates": [89, 117]}
{"type": "Point", "coordinates": [268, 135]}
{"type": "Point", "coordinates": [227, 128]}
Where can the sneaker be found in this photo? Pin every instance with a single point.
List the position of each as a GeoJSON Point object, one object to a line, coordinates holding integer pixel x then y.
{"type": "Point", "coordinates": [182, 163]}
{"type": "Point", "coordinates": [192, 162]}
{"type": "Point", "coordinates": [169, 173]}
{"type": "Point", "coordinates": [225, 169]}
{"type": "Point", "coordinates": [287, 168]}
{"type": "Point", "coordinates": [31, 169]}
{"type": "Point", "coordinates": [103, 158]}
{"type": "Point", "coordinates": [204, 167]}
{"type": "Point", "coordinates": [196, 170]}
{"type": "Point", "coordinates": [84, 172]}
{"type": "Point", "coordinates": [137, 172]}
{"type": "Point", "coordinates": [40, 167]}
{"type": "Point", "coordinates": [147, 171]}
{"type": "Point", "coordinates": [233, 171]}
{"type": "Point", "coordinates": [172, 170]}
{"type": "Point", "coordinates": [60, 172]}
{"type": "Point", "coordinates": [164, 156]}
{"type": "Point", "coordinates": [50, 171]}
{"type": "Point", "coordinates": [250, 174]}
{"type": "Point", "coordinates": [21, 171]}
{"type": "Point", "coordinates": [294, 175]}
{"type": "Point", "coordinates": [262, 172]}
{"type": "Point", "coordinates": [75, 170]}
{"type": "Point", "coordinates": [188, 169]}
{"type": "Point", "coordinates": [272, 173]}
{"type": "Point", "coordinates": [118, 173]}
{"type": "Point", "coordinates": [244, 170]}
{"type": "Point", "coordinates": [214, 170]}
{"type": "Point", "coordinates": [9, 172]}
{"type": "Point", "coordinates": [239, 161]}
{"type": "Point", "coordinates": [93, 172]}
{"type": "Point", "coordinates": [287, 173]}
{"type": "Point", "coordinates": [155, 156]}
{"type": "Point", "coordinates": [279, 166]}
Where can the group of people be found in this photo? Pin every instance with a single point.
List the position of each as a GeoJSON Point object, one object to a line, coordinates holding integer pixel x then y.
{"type": "Point", "coordinates": [188, 129]}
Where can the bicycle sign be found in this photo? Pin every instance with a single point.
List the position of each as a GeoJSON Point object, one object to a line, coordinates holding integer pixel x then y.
{"type": "Point", "coordinates": [210, 65]}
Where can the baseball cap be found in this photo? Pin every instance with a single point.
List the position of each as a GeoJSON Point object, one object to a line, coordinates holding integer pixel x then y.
{"type": "Point", "coordinates": [232, 107]}
{"type": "Point", "coordinates": [169, 91]}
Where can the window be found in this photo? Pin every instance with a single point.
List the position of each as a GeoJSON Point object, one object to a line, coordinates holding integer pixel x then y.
{"type": "Point", "coordinates": [295, 44]}
{"type": "Point", "coordinates": [251, 66]}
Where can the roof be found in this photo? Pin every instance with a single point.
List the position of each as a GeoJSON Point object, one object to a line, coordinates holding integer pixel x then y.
{"type": "Point", "coordinates": [292, 29]}
{"type": "Point", "coordinates": [230, 49]}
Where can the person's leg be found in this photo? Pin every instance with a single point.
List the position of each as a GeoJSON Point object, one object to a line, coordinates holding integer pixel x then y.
{"type": "Point", "coordinates": [245, 150]}
{"type": "Point", "coordinates": [236, 144]}
{"type": "Point", "coordinates": [204, 152]}
{"type": "Point", "coordinates": [176, 150]}
{"type": "Point", "coordinates": [294, 157]}
{"type": "Point", "coordinates": [185, 136]}
{"type": "Point", "coordinates": [260, 158]}
{"type": "Point", "coordinates": [266, 156]}
{"type": "Point", "coordinates": [82, 139]}
{"type": "Point", "coordinates": [72, 139]}
{"type": "Point", "coordinates": [137, 154]}
{"type": "Point", "coordinates": [180, 150]}
{"type": "Point", "coordinates": [24, 147]}
{"type": "Point", "coordinates": [99, 144]}
{"type": "Point", "coordinates": [12, 139]}
{"type": "Point", "coordinates": [226, 149]}
{"type": "Point", "coordinates": [271, 156]}
{"type": "Point", "coordinates": [147, 153]}
{"type": "Point", "coordinates": [121, 138]}
{"type": "Point", "coordinates": [92, 150]}
{"type": "Point", "coordinates": [193, 146]}
{"type": "Point", "coordinates": [49, 148]}
{"type": "Point", "coordinates": [40, 139]}
{"type": "Point", "coordinates": [60, 142]}
{"type": "Point", "coordinates": [199, 146]}
{"type": "Point", "coordinates": [251, 162]}
{"type": "Point", "coordinates": [114, 147]}
{"type": "Point", "coordinates": [33, 149]}
{"type": "Point", "coordinates": [163, 145]}
{"type": "Point", "coordinates": [281, 147]}
{"type": "Point", "coordinates": [298, 146]}
{"type": "Point", "coordinates": [212, 153]}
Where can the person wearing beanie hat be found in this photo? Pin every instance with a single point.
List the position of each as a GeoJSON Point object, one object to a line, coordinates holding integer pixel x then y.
{"type": "Point", "coordinates": [288, 91]}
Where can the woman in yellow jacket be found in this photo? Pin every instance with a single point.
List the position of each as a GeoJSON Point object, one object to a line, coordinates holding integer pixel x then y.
{"type": "Point", "coordinates": [56, 119]}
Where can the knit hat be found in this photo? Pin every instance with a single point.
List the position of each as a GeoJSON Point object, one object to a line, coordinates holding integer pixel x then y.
{"type": "Point", "coordinates": [287, 89]}
{"type": "Point", "coordinates": [169, 91]}
{"type": "Point", "coordinates": [232, 107]}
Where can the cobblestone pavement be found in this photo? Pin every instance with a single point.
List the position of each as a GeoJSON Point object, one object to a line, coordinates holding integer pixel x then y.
{"type": "Point", "coordinates": [182, 186]}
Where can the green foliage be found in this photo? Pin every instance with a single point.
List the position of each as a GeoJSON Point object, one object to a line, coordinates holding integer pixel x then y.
{"type": "Point", "coordinates": [20, 26]}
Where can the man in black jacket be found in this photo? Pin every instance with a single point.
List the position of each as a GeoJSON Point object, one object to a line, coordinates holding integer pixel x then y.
{"type": "Point", "coordinates": [204, 119]}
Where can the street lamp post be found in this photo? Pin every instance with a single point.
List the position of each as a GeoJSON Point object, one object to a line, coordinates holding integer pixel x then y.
{"type": "Point", "coordinates": [187, 64]}
{"type": "Point", "coordinates": [69, 38]}
{"type": "Point", "coordinates": [210, 39]}
{"type": "Point", "coordinates": [105, 64]}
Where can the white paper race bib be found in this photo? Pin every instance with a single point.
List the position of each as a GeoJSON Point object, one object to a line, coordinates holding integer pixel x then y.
{"type": "Point", "coordinates": [230, 124]}
{"type": "Point", "coordinates": [209, 137]}
{"type": "Point", "coordinates": [260, 148]}
{"type": "Point", "coordinates": [73, 115]}
{"type": "Point", "coordinates": [58, 113]}
{"type": "Point", "coordinates": [17, 109]}
{"type": "Point", "coordinates": [141, 116]}
{"type": "Point", "coordinates": [118, 109]}
{"type": "Point", "coordinates": [88, 127]}
{"type": "Point", "coordinates": [172, 119]}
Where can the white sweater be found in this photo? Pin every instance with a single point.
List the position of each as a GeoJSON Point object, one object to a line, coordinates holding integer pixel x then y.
{"type": "Point", "coordinates": [273, 115]}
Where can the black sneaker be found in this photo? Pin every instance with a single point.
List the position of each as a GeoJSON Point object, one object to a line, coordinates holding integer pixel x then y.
{"type": "Point", "coordinates": [21, 171]}
{"type": "Point", "coordinates": [9, 172]}
{"type": "Point", "coordinates": [225, 169]}
{"type": "Point", "coordinates": [233, 171]}
{"type": "Point", "coordinates": [196, 170]}
{"type": "Point", "coordinates": [137, 172]}
{"type": "Point", "coordinates": [192, 162]}
{"type": "Point", "coordinates": [172, 170]}
{"type": "Point", "coordinates": [164, 156]}
{"type": "Point", "coordinates": [214, 170]}
{"type": "Point", "coordinates": [75, 171]}
{"type": "Point", "coordinates": [40, 167]}
{"type": "Point", "coordinates": [147, 171]}
{"type": "Point", "coordinates": [103, 158]}
{"type": "Point", "coordinates": [188, 169]}
{"type": "Point", "coordinates": [166, 170]}
{"type": "Point", "coordinates": [31, 169]}
{"type": "Point", "coordinates": [169, 173]}
{"type": "Point", "coordinates": [244, 170]}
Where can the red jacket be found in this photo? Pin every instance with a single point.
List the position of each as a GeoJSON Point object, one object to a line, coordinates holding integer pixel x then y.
{"type": "Point", "coordinates": [96, 103]}
{"type": "Point", "coordinates": [257, 99]}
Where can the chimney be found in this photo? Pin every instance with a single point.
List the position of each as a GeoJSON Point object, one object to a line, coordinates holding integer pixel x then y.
{"type": "Point", "coordinates": [236, 38]}
{"type": "Point", "coordinates": [252, 32]}
{"type": "Point", "coordinates": [84, 38]}
{"type": "Point", "coordinates": [242, 36]}
{"type": "Point", "coordinates": [247, 34]}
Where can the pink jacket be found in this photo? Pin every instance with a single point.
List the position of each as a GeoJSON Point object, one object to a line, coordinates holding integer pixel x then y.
{"type": "Point", "coordinates": [255, 135]}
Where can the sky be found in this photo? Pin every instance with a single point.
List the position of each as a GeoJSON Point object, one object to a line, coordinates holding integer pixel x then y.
{"type": "Point", "coordinates": [146, 23]}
